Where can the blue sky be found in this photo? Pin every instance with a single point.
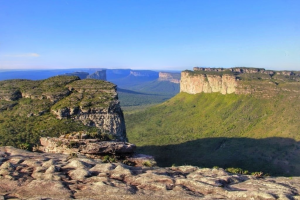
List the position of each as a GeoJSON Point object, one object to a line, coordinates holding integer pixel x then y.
{"type": "Point", "coordinates": [149, 34]}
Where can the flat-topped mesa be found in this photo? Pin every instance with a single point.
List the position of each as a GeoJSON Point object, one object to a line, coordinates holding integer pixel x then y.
{"type": "Point", "coordinates": [168, 76]}
{"type": "Point", "coordinates": [246, 70]}
{"type": "Point", "coordinates": [92, 102]}
{"type": "Point", "coordinates": [240, 80]}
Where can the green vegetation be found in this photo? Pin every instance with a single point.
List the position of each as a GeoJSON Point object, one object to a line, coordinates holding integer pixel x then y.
{"type": "Point", "coordinates": [25, 107]}
{"type": "Point", "coordinates": [109, 159]}
{"type": "Point", "coordinates": [209, 130]}
{"type": "Point", "coordinates": [147, 164]}
{"type": "Point", "coordinates": [219, 73]}
{"type": "Point", "coordinates": [16, 130]}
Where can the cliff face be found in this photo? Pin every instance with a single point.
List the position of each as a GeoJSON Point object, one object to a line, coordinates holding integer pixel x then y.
{"type": "Point", "coordinates": [100, 75]}
{"type": "Point", "coordinates": [171, 77]}
{"type": "Point", "coordinates": [194, 84]}
{"type": "Point", "coordinates": [92, 102]}
{"type": "Point", "coordinates": [254, 81]}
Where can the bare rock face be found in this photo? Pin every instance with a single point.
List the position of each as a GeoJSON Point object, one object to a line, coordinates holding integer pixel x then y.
{"type": "Point", "coordinates": [80, 144]}
{"type": "Point", "coordinates": [167, 76]}
{"type": "Point", "coordinates": [194, 84]}
{"type": "Point", "coordinates": [94, 103]}
{"type": "Point", "coordinates": [28, 175]}
{"type": "Point", "coordinates": [85, 146]}
{"type": "Point", "coordinates": [255, 81]}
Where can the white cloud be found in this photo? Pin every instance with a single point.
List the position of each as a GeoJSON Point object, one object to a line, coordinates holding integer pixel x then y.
{"type": "Point", "coordinates": [23, 55]}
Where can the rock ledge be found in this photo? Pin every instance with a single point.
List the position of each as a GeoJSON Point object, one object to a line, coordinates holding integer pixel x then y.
{"type": "Point", "coordinates": [31, 175]}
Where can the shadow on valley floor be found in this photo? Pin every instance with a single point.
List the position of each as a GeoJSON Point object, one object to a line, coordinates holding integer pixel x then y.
{"type": "Point", "coordinates": [276, 156]}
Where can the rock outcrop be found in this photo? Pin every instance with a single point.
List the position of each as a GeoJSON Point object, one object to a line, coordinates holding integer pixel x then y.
{"type": "Point", "coordinates": [93, 103]}
{"type": "Point", "coordinates": [194, 84]}
{"type": "Point", "coordinates": [28, 175]}
{"type": "Point", "coordinates": [254, 81]}
{"type": "Point", "coordinates": [88, 146]}
{"type": "Point", "coordinates": [168, 76]}
{"type": "Point", "coordinates": [99, 75]}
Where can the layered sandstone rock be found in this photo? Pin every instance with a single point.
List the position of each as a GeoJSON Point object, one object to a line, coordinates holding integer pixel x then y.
{"type": "Point", "coordinates": [27, 175]}
{"type": "Point", "coordinates": [89, 101]}
{"type": "Point", "coordinates": [198, 83]}
{"type": "Point", "coordinates": [84, 146]}
{"type": "Point", "coordinates": [94, 103]}
{"type": "Point", "coordinates": [254, 81]}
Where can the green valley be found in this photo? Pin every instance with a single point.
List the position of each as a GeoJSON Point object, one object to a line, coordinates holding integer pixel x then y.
{"type": "Point", "coordinates": [211, 129]}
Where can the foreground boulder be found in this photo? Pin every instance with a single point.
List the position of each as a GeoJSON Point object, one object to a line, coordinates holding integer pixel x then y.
{"type": "Point", "coordinates": [31, 175]}
{"type": "Point", "coordinates": [73, 144]}
{"type": "Point", "coordinates": [85, 146]}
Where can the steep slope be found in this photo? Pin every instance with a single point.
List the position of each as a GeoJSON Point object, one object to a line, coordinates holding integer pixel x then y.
{"type": "Point", "coordinates": [58, 105]}
{"type": "Point", "coordinates": [232, 130]}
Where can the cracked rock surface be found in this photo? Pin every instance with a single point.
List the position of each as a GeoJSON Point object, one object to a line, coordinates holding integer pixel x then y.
{"type": "Point", "coordinates": [29, 175]}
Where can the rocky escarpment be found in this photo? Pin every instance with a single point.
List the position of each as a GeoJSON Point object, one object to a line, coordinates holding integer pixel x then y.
{"type": "Point", "coordinates": [171, 77]}
{"type": "Point", "coordinates": [254, 81]}
{"type": "Point", "coordinates": [194, 84]}
{"type": "Point", "coordinates": [28, 175]}
{"type": "Point", "coordinates": [93, 103]}
{"type": "Point", "coordinates": [100, 75]}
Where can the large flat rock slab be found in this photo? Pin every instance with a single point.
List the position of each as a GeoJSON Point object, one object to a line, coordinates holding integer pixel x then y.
{"type": "Point", "coordinates": [29, 175]}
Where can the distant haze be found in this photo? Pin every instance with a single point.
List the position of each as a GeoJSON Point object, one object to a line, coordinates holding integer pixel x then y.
{"type": "Point", "coordinates": [156, 34]}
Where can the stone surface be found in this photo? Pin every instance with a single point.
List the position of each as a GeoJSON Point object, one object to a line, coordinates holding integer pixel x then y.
{"type": "Point", "coordinates": [194, 84]}
{"type": "Point", "coordinates": [85, 146]}
{"type": "Point", "coordinates": [29, 175]}
{"type": "Point", "coordinates": [254, 81]}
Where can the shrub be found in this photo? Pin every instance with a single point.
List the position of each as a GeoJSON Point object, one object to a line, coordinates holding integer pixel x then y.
{"type": "Point", "coordinates": [24, 146]}
{"type": "Point", "coordinates": [147, 163]}
{"type": "Point", "coordinates": [108, 158]}
{"type": "Point", "coordinates": [236, 170]}
{"type": "Point", "coordinates": [72, 155]}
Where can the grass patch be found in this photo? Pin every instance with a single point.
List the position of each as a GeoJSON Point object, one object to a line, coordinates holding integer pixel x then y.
{"type": "Point", "coordinates": [221, 130]}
